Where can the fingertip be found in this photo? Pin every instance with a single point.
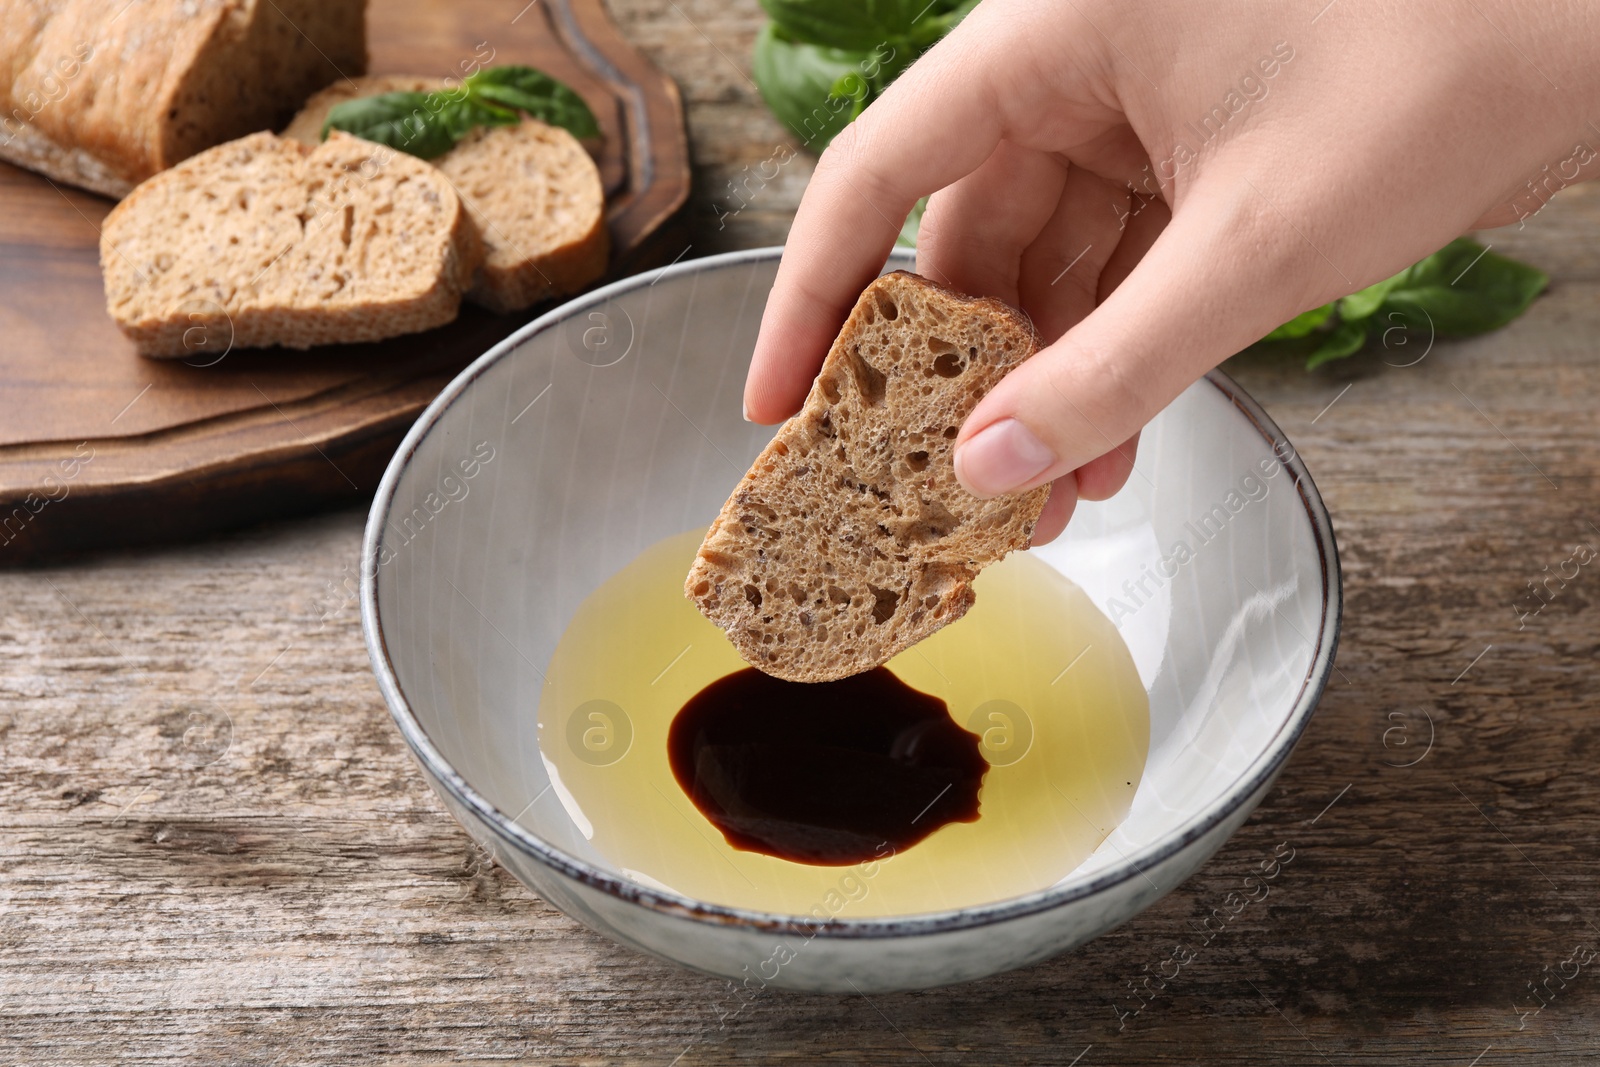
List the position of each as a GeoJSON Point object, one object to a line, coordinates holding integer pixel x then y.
{"type": "Point", "coordinates": [1057, 511]}
{"type": "Point", "coordinates": [1104, 476]}
{"type": "Point", "coordinates": [1003, 457]}
{"type": "Point", "coordinates": [774, 388]}
{"type": "Point", "coordinates": [763, 406]}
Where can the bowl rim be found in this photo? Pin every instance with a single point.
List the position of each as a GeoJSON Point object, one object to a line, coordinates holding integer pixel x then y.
{"type": "Point", "coordinates": [1128, 866]}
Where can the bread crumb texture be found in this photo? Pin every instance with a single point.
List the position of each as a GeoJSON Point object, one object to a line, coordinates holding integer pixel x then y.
{"type": "Point", "coordinates": [267, 241]}
{"type": "Point", "coordinates": [850, 539]}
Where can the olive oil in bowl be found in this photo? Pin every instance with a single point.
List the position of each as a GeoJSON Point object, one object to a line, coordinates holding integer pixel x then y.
{"type": "Point", "coordinates": [852, 799]}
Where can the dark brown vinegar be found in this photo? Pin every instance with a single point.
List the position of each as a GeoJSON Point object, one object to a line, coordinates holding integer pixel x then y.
{"type": "Point", "coordinates": [830, 773]}
{"type": "Point", "coordinates": [1035, 677]}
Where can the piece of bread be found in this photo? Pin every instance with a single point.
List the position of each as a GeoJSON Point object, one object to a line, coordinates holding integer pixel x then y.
{"type": "Point", "coordinates": [266, 241]}
{"type": "Point", "coordinates": [105, 93]}
{"type": "Point", "coordinates": [850, 539]}
{"type": "Point", "coordinates": [536, 197]}
{"type": "Point", "coordinates": [531, 188]}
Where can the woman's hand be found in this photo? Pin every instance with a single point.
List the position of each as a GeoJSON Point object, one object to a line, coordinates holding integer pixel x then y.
{"type": "Point", "coordinates": [1159, 184]}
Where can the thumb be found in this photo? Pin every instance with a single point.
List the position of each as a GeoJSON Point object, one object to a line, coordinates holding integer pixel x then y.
{"type": "Point", "coordinates": [1225, 271]}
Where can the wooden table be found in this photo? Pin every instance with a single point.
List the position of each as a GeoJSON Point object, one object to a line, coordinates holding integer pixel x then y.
{"type": "Point", "coordinates": [216, 848]}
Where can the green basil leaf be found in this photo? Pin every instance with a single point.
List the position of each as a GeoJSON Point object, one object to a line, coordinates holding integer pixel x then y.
{"type": "Point", "coordinates": [1302, 324]}
{"type": "Point", "coordinates": [1442, 267]}
{"type": "Point", "coordinates": [940, 20]}
{"type": "Point", "coordinates": [797, 81]}
{"type": "Point", "coordinates": [428, 125]}
{"type": "Point", "coordinates": [459, 116]}
{"type": "Point", "coordinates": [944, 7]}
{"type": "Point", "coordinates": [1346, 339]}
{"type": "Point", "coordinates": [857, 25]}
{"type": "Point", "coordinates": [522, 88]}
{"type": "Point", "coordinates": [1362, 303]}
{"type": "Point", "coordinates": [1463, 290]}
{"type": "Point", "coordinates": [409, 122]}
{"type": "Point", "coordinates": [855, 88]}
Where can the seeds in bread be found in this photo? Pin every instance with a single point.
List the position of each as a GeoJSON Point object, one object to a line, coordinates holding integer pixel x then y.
{"type": "Point", "coordinates": [265, 241]}
{"type": "Point", "coordinates": [850, 539]}
{"type": "Point", "coordinates": [532, 190]}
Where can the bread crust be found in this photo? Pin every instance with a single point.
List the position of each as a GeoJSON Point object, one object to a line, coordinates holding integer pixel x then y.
{"type": "Point", "coordinates": [849, 539]}
{"type": "Point", "coordinates": [105, 93]}
{"type": "Point", "coordinates": [32, 150]}
{"type": "Point", "coordinates": [283, 273]}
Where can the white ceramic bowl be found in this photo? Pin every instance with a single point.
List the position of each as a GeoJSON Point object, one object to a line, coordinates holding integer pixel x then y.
{"type": "Point", "coordinates": [614, 421]}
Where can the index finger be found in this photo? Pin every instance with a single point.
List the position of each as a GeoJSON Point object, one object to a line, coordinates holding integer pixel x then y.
{"type": "Point", "coordinates": [937, 123]}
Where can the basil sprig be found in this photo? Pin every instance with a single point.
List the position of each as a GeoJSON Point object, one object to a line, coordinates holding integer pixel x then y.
{"type": "Point", "coordinates": [428, 125]}
{"type": "Point", "coordinates": [1461, 290]}
{"type": "Point", "coordinates": [819, 63]}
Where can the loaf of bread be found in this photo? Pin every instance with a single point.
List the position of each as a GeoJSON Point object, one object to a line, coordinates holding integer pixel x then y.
{"type": "Point", "coordinates": [105, 93]}
{"type": "Point", "coordinates": [532, 190]}
{"type": "Point", "coordinates": [850, 539]}
{"type": "Point", "coordinates": [266, 241]}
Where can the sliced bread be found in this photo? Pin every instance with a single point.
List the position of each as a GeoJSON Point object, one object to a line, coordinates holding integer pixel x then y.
{"type": "Point", "coordinates": [105, 93]}
{"type": "Point", "coordinates": [850, 539]}
{"type": "Point", "coordinates": [266, 241]}
{"type": "Point", "coordinates": [531, 188]}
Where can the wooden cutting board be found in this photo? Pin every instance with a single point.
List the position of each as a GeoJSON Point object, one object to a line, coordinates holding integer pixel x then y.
{"type": "Point", "coordinates": [100, 447]}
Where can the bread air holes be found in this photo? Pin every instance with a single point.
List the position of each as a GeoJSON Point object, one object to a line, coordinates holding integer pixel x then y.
{"type": "Point", "coordinates": [947, 361]}
{"type": "Point", "coordinates": [830, 389]}
{"type": "Point", "coordinates": [702, 587]}
{"type": "Point", "coordinates": [752, 594]}
{"type": "Point", "coordinates": [887, 600]}
{"type": "Point", "coordinates": [886, 306]}
{"type": "Point", "coordinates": [997, 518]}
{"type": "Point", "coordinates": [917, 461]}
{"type": "Point", "coordinates": [870, 381]}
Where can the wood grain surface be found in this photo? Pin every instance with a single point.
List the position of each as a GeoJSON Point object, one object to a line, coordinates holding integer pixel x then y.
{"type": "Point", "coordinates": [180, 447]}
{"type": "Point", "coordinates": [215, 848]}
